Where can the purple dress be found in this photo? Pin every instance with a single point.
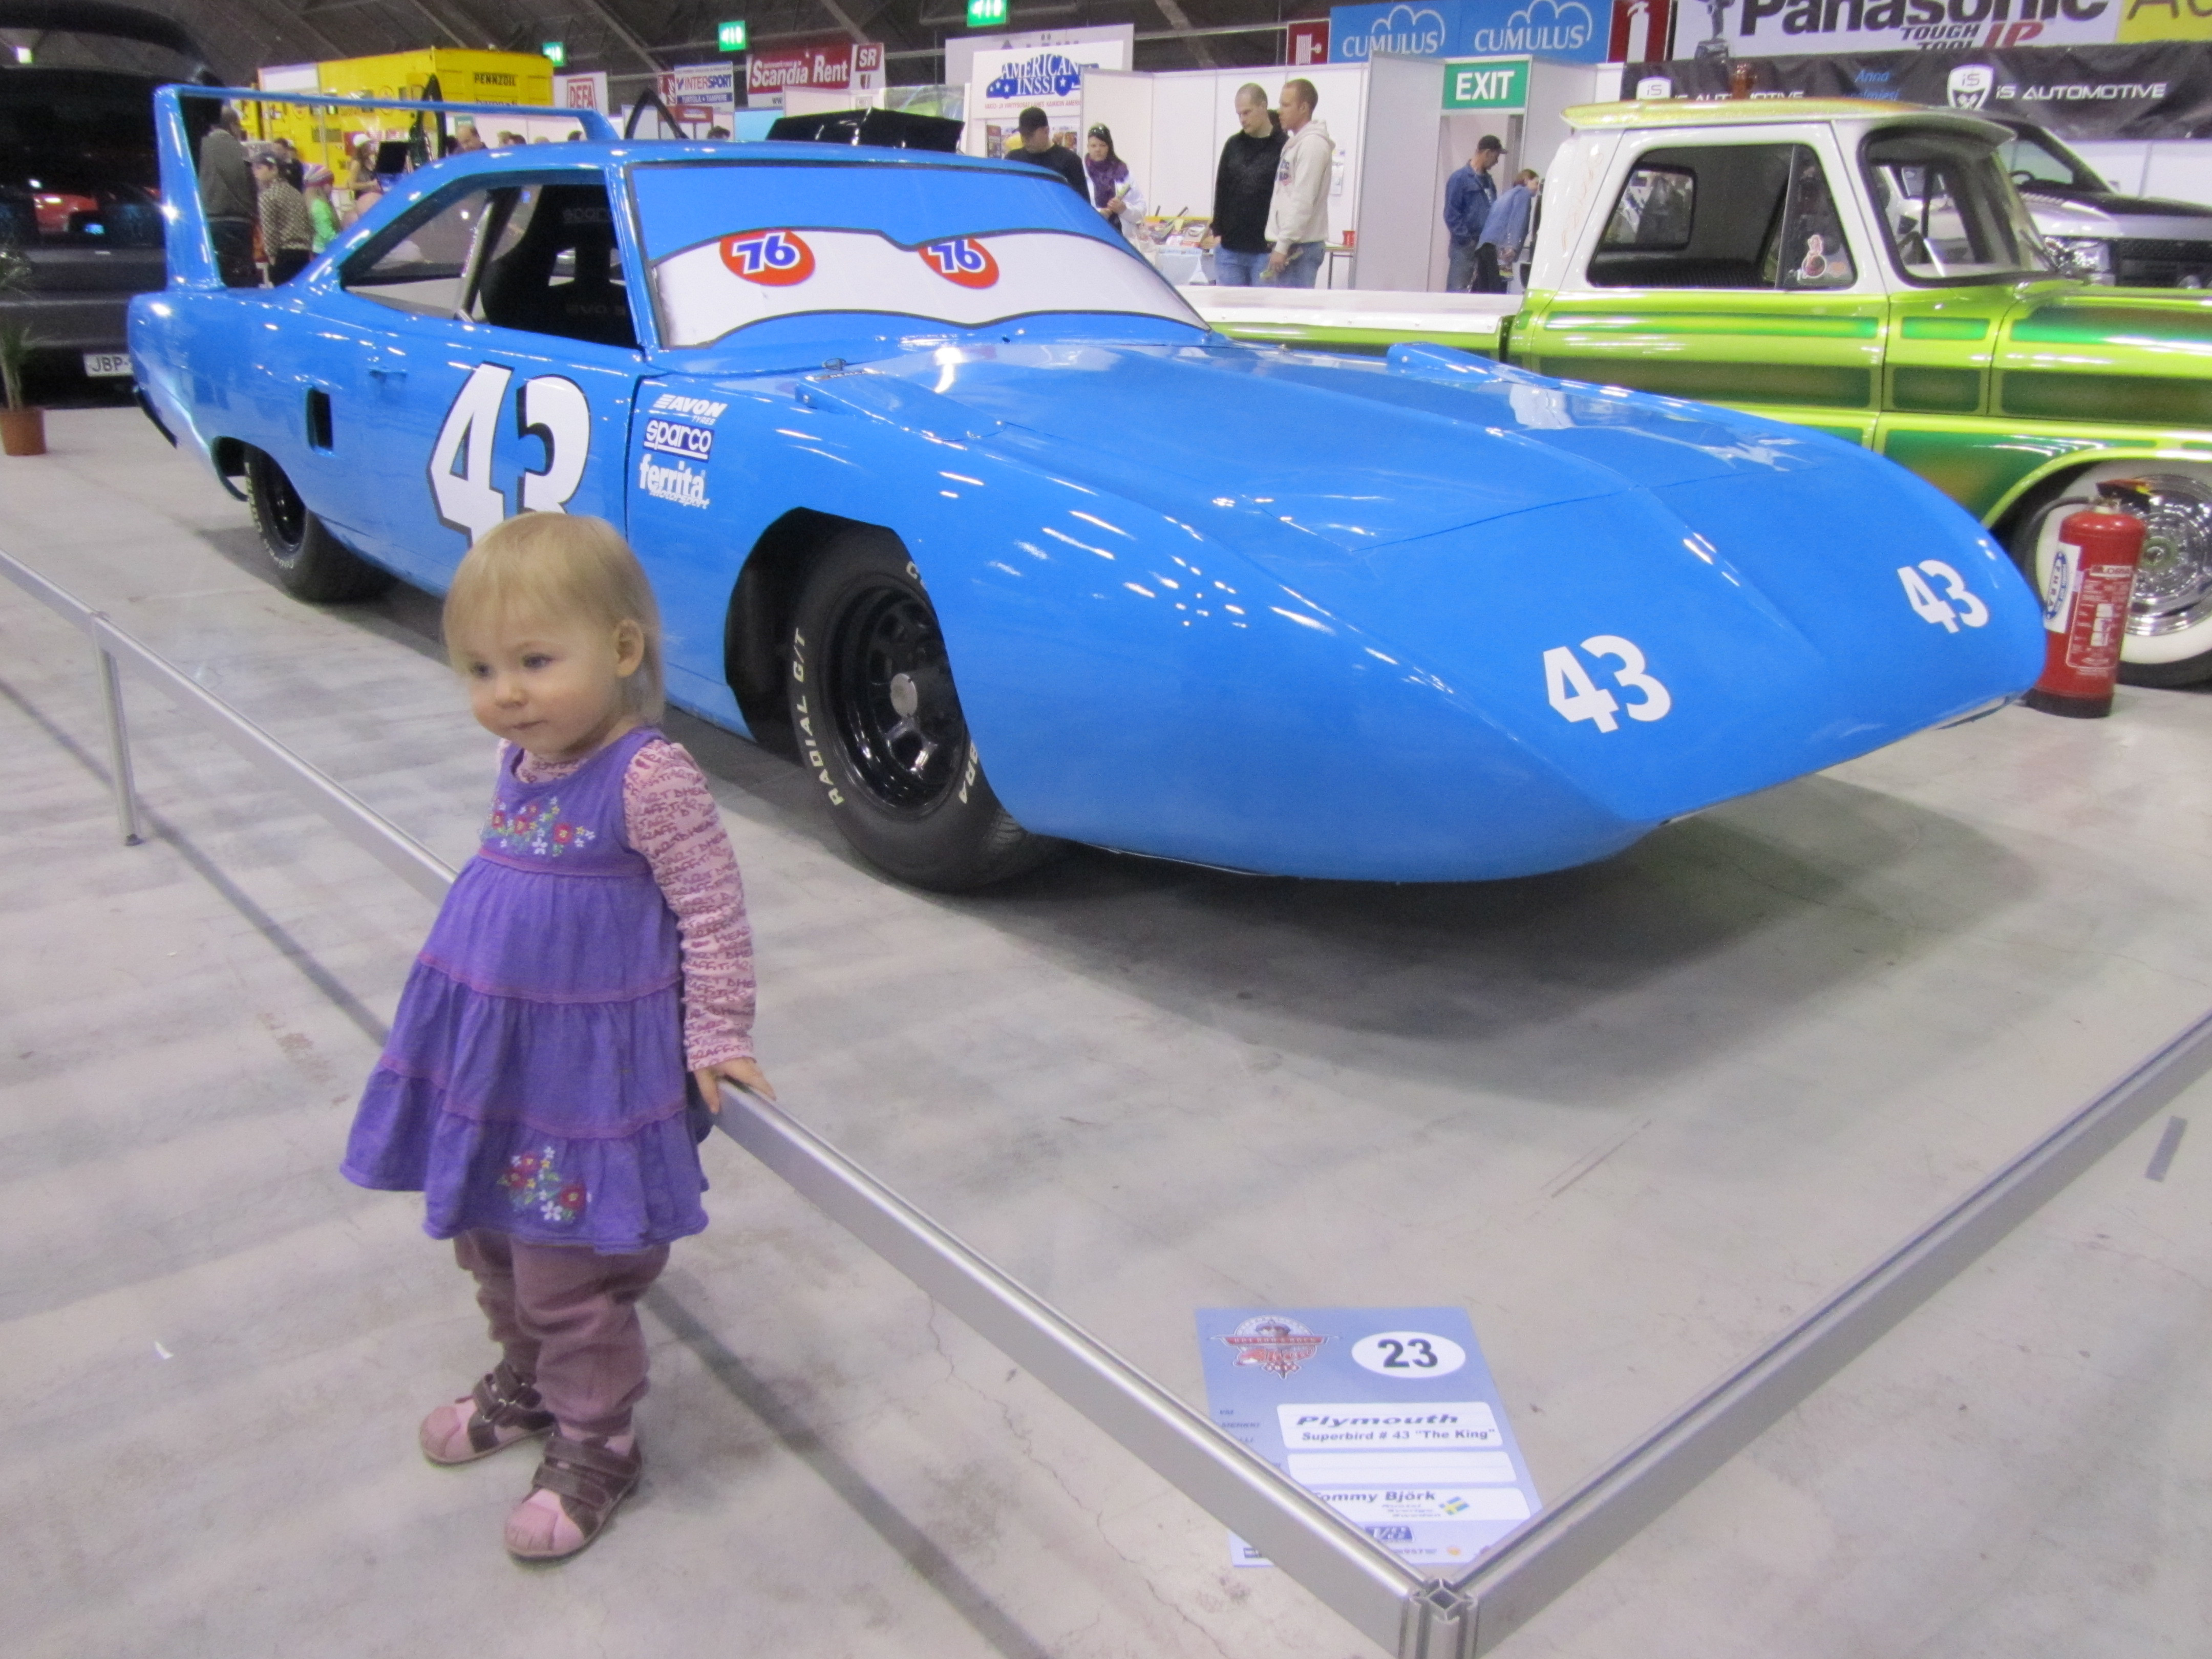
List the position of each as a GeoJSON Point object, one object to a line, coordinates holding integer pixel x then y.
{"type": "Point", "coordinates": [534, 1081]}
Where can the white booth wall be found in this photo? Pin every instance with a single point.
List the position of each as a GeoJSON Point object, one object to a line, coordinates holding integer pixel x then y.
{"type": "Point", "coordinates": [1170, 127]}
{"type": "Point", "coordinates": [1413, 145]}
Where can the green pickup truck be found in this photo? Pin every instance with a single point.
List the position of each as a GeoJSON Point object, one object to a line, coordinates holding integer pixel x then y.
{"type": "Point", "coordinates": [1863, 268]}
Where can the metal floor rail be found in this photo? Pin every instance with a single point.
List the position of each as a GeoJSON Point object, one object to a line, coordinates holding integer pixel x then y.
{"type": "Point", "coordinates": [1412, 1616]}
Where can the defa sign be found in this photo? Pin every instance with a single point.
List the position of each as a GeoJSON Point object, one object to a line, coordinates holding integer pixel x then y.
{"type": "Point", "coordinates": [1494, 84]}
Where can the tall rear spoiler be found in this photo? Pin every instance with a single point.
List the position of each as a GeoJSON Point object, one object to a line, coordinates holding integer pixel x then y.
{"type": "Point", "coordinates": [191, 257]}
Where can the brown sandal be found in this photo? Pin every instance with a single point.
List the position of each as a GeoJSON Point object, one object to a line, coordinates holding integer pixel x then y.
{"type": "Point", "coordinates": [507, 1409]}
{"type": "Point", "coordinates": [590, 1479]}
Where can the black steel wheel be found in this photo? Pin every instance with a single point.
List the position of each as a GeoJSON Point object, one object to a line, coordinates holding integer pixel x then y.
{"type": "Point", "coordinates": [878, 721]}
{"type": "Point", "coordinates": [311, 563]}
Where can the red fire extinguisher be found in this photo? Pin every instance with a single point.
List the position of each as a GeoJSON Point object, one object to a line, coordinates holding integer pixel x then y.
{"type": "Point", "coordinates": [2084, 608]}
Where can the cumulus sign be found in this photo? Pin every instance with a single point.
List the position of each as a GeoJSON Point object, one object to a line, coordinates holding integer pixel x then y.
{"type": "Point", "coordinates": [1451, 28]}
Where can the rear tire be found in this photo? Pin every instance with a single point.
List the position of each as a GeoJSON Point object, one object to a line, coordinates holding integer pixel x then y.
{"type": "Point", "coordinates": [879, 723]}
{"type": "Point", "coordinates": [311, 563]}
{"type": "Point", "coordinates": [2169, 638]}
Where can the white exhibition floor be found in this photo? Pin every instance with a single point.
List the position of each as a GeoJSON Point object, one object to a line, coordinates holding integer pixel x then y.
{"type": "Point", "coordinates": [1634, 1118]}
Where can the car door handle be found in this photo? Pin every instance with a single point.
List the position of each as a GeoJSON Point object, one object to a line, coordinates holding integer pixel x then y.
{"type": "Point", "coordinates": [381, 372]}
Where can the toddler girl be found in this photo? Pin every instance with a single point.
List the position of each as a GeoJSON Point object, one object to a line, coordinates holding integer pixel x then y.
{"type": "Point", "coordinates": [534, 1086]}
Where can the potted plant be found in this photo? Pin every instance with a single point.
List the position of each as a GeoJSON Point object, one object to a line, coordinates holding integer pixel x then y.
{"type": "Point", "coordinates": [22, 430]}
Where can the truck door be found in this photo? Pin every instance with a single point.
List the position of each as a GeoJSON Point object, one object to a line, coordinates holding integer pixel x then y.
{"type": "Point", "coordinates": [501, 363]}
{"type": "Point", "coordinates": [1731, 269]}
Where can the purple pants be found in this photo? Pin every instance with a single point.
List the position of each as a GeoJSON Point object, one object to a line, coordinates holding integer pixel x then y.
{"type": "Point", "coordinates": [567, 1317]}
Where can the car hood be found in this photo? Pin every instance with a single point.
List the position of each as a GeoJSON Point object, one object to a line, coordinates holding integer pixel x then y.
{"type": "Point", "coordinates": [1343, 455]}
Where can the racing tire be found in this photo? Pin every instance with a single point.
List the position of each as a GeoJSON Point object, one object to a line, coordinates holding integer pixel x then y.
{"type": "Point", "coordinates": [2169, 638]}
{"type": "Point", "coordinates": [878, 722]}
{"type": "Point", "coordinates": [311, 563]}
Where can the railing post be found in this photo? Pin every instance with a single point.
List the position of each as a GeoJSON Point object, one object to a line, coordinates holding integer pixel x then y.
{"type": "Point", "coordinates": [118, 736]}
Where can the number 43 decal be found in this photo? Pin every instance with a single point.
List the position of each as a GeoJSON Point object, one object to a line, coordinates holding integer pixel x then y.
{"type": "Point", "coordinates": [549, 406]}
{"type": "Point", "coordinates": [1922, 597]}
{"type": "Point", "coordinates": [1579, 697]}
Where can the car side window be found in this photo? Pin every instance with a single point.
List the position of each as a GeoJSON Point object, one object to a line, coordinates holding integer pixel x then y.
{"type": "Point", "coordinates": [552, 266]}
{"type": "Point", "coordinates": [423, 267]}
{"type": "Point", "coordinates": [1725, 216]}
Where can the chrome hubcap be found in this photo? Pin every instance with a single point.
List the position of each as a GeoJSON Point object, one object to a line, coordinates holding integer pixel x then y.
{"type": "Point", "coordinates": [2173, 587]}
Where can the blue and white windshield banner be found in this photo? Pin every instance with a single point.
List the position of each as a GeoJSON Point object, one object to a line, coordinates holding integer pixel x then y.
{"type": "Point", "coordinates": [1387, 1415]}
{"type": "Point", "coordinates": [1572, 31]}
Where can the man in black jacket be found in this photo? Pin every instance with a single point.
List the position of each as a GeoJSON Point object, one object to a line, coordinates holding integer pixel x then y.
{"type": "Point", "coordinates": [227, 200]}
{"type": "Point", "coordinates": [1243, 185]}
{"type": "Point", "coordinates": [1037, 146]}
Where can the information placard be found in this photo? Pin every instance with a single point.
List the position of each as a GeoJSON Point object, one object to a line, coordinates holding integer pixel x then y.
{"type": "Point", "coordinates": [1387, 1415]}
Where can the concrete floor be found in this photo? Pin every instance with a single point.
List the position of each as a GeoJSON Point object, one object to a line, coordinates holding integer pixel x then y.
{"type": "Point", "coordinates": [1633, 1118]}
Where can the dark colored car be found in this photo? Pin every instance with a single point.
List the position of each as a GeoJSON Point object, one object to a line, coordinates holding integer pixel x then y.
{"type": "Point", "coordinates": [79, 196]}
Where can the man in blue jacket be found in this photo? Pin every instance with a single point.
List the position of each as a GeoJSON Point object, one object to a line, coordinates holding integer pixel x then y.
{"type": "Point", "coordinates": [1469, 194]}
{"type": "Point", "coordinates": [1506, 235]}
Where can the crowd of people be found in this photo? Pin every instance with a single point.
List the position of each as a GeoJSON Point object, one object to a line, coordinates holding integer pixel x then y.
{"type": "Point", "coordinates": [268, 207]}
{"type": "Point", "coordinates": [1271, 191]}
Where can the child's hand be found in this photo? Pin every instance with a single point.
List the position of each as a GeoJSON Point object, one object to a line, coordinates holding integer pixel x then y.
{"type": "Point", "coordinates": [743, 1073]}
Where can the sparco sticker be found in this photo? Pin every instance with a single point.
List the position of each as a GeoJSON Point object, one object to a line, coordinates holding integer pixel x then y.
{"type": "Point", "coordinates": [679, 438]}
{"type": "Point", "coordinates": [774, 258]}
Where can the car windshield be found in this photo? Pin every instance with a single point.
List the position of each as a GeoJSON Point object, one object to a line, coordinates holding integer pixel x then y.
{"type": "Point", "coordinates": [1949, 214]}
{"type": "Point", "coordinates": [739, 245]}
{"type": "Point", "coordinates": [2036, 158]}
{"type": "Point", "coordinates": [76, 159]}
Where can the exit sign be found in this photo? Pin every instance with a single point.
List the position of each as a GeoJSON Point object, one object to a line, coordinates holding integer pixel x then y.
{"type": "Point", "coordinates": [730, 37]}
{"type": "Point", "coordinates": [556, 51]}
{"type": "Point", "coordinates": [1492, 83]}
{"type": "Point", "coordinates": [986, 14]}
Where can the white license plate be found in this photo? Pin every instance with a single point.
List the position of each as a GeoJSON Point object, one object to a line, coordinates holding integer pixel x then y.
{"type": "Point", "coordinates": [106, 362]}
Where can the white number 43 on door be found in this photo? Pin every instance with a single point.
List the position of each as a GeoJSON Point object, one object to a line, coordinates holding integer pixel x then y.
{"type": "Point", "coordinates": [1579, 697]}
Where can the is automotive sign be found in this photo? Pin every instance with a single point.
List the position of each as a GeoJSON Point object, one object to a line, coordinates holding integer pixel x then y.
{"type": "Point", "coordinates": [1566, 29]}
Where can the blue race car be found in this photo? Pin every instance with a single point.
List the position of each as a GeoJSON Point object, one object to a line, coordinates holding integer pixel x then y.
{"type": "Point", "coordinates": [927, 466]}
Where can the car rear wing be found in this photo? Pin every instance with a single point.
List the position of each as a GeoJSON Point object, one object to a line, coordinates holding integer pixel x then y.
{"type": "Point", "coordinates": [192, 254]}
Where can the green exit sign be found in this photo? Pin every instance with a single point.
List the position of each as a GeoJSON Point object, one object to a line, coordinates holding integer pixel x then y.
{"type": "Point", "coordinates": [730, 37]}
{"type": "Point", "coordinates": [557, 52]}
{"type": "Point", "coordinates": [986, 14]}
{"type": "Point", "coordinates": [1487, 83]}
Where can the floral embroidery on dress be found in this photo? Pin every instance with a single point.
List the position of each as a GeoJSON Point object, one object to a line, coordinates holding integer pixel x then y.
{"type": "Point", "coordinates": [536, 828]}
{"type": "Point", "coordinates": [532, 1180]}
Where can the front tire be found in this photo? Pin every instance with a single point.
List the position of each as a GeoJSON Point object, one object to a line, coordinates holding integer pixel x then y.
{"type": "Point", "coordinates": [311, 563]}
{"type": "Point", "coordinates": [2169, 638]}
{"type": "Point", "coordinates": [878, 721]}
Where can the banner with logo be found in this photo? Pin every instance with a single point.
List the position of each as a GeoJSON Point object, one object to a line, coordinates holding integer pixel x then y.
{"type": "Point", "coordinates": [2159, 91]}
{"type": "Point", "coordinates": [831, 62]}
{"type": "Point", "coordinates": [1002, 84]}
{"type": "Point", "coordinates": [1573, 31]}
{"type": "Point", "coordinates": [703, 85]}
{"type": "Point", "coordinates": [1766, 28]}
{"type": "Point", "coordinates": [581, 91]}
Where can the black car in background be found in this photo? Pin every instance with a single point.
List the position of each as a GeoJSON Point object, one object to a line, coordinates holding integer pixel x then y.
{"type": "Point", "coordinates": [79, 198]}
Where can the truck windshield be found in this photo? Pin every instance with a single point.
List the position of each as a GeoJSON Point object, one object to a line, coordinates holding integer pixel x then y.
{"type": "Point", "coordinates": [1948, 212]}
{"type": "Point", "coordinates": [776, 246]}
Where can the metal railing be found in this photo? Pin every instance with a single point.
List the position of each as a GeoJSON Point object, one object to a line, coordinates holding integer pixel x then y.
{"type": "Point", "coordinates": [1412, 1616]}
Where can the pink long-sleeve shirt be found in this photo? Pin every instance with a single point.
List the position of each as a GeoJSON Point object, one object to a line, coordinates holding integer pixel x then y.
{"type": "Point", "coordinates": [670, 819]}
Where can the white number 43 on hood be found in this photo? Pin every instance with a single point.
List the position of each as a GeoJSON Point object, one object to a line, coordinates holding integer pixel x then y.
{"type": "Point", "coordinates": [1579, 697]}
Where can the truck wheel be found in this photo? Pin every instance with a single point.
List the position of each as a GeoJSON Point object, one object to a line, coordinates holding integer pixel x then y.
{"type": "Point", "coordinates": [879, 723]}
{"type": "Point", "coordinates": [2169, 640]}
{"type": "Point", "coordinates": [311, 563]}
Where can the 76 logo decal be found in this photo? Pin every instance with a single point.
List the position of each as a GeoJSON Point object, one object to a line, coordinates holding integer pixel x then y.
{"type": "Point", "coordinates": [962, 259]}
{"type": "Point", "coordinates": [774, 258]}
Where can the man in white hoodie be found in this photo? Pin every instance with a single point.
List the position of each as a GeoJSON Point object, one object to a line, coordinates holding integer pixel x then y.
{"type": "Point", "coordinates": [1297, 217]}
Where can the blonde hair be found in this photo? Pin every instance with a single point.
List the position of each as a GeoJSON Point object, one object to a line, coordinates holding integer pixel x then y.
{"type": "Point", "coordinates": [562, 567]}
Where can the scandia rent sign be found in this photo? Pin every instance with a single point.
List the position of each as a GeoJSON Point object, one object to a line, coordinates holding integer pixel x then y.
{"type": "Point", "coordinates": [1563, 29]}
